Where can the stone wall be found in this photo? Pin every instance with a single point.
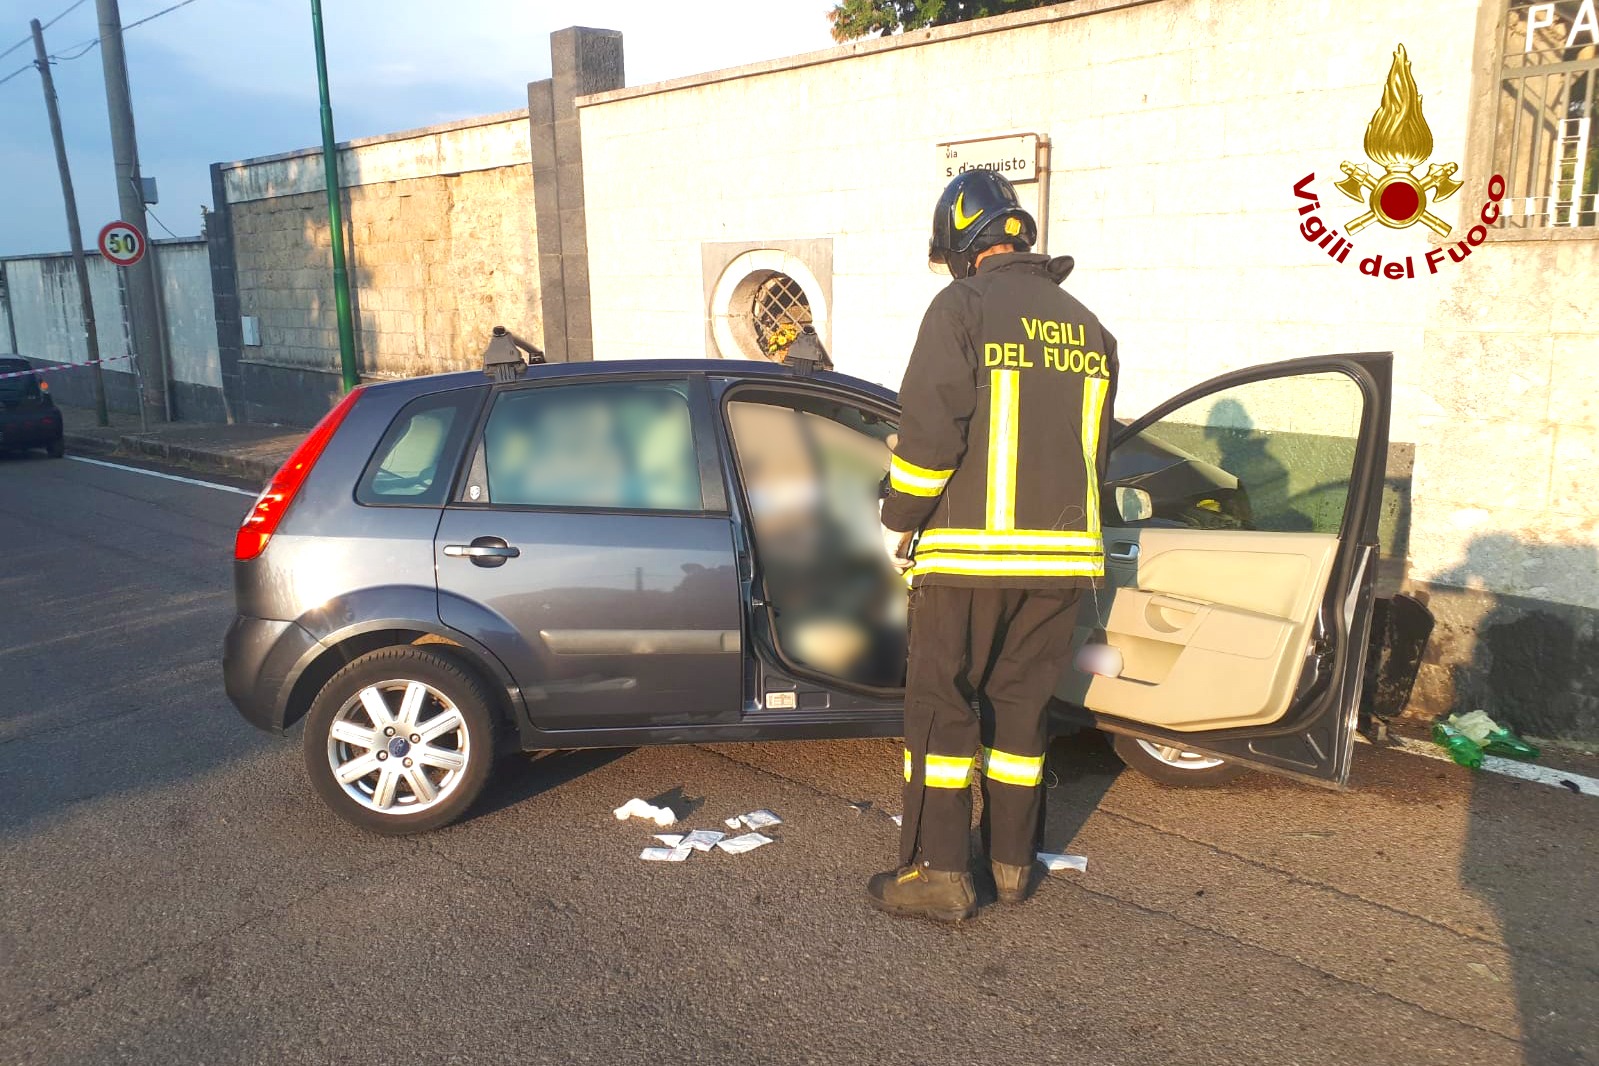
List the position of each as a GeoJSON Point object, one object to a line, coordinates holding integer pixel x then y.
{"type": "Point", "coordinates": [441, 245]}
{"type": "Point", "coordinates": [1177, 130]}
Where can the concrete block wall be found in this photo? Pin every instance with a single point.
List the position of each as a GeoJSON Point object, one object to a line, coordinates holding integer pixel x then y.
{"type": "Point", "coordinates": [441, 243]}
{"type": "Point", "coordinates": [582, 61]}
{"type": "Point", "coordinates": [1178, 131]}
{"type": "Point", "coordinates": [47, 326]}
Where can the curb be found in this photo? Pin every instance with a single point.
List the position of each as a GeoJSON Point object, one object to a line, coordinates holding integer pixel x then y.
{"type": "Point", "coordinates": [194, 458]}
{"type": "Point", "coordinates": [80, 442]}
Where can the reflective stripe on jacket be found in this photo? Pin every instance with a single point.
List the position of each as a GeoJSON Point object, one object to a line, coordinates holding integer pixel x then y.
{"type": "Point", "coordinates": [1007, 410]}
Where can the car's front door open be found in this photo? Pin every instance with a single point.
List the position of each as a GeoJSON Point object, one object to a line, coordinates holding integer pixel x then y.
{"type": "Point", "coordinates": [1239, 599]}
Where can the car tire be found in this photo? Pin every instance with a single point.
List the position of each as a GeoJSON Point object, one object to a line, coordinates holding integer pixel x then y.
{"type": "Point", "coordinates": [56, 448]}
{"type": "Point", "coordinates": [428, 747]}
{"type": "Point", "coordinates": [1169, 765]}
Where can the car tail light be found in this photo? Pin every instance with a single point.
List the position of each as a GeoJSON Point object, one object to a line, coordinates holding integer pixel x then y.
{"type": "Point", "coordinates": [274, 501]}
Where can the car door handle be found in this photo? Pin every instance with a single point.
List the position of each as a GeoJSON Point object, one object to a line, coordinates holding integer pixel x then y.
{"type": "Point", "coordinates": [1124, 552]}
{"type": "Point", "coordinates": [484, 551]}
{"type": "Point", "coordinates": [1176, 604]}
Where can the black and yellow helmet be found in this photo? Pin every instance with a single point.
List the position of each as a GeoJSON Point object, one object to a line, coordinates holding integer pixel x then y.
{"type": "Point", "coordinates": [978, 210]}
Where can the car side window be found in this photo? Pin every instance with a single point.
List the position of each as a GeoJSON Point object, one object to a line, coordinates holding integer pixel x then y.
{"type": "Point", "coordinates": [1274, 455]}
{"type": "Point", "coordinates": [412, 463]}
{"type": "Point", "coordinates": [627, 445]}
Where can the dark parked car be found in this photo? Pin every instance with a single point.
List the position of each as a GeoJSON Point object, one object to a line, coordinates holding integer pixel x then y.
{"type": "Point", "coordinates": [623, 553]}
{"type": "Point", "coordinates": [28, 417]}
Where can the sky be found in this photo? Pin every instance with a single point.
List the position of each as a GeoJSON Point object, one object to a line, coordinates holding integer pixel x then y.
{"type": "Point", "coordinates": [219, 80]}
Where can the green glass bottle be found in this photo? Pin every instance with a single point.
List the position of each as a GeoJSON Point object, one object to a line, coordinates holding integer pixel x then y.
{"type": "Point", "coordinates": [1460, 747]}
{"type": "Point", "coordinates": [1502, 741]}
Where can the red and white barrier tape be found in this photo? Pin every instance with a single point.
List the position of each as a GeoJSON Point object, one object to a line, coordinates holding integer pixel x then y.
{"type": "Point", "coordinates": [62, 366]}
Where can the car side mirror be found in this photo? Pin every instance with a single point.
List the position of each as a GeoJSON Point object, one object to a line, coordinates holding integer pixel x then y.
{"type": "Point", "coordinates": [1134, 505]}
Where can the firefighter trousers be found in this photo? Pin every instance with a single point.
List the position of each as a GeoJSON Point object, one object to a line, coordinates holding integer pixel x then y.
{"type": "Point", "coordinates": [1004, 650]}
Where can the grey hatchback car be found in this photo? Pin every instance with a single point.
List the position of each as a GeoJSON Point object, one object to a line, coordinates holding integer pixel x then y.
{"type": "Point", "coordinates": [622, 553]}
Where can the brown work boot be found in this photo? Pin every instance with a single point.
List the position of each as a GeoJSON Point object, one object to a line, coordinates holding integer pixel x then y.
{"type": "Point", "coordinates": [1014, 884]}
{"type": "Point", "coordinates": [916, 890]}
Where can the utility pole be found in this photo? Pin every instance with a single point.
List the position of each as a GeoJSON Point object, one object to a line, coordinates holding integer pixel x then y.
{"type": "Point", "coordinates": [89, 332]}
{"type": "Point", "coordinates": [148, 344]}
{"type": "Point", "coordinates": [330, 170]}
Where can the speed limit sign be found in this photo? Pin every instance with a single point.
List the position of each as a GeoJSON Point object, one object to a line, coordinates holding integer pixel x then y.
{"type": "Point", "coordinates": [122, 243]}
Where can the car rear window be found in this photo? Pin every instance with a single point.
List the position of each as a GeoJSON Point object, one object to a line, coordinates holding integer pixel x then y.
{"type": "Point", "coordinates": [627, 445]}
{"type": "Point", "coordinates": [15, 388]}
{"type": "Point", "coordinates": [413, 462]}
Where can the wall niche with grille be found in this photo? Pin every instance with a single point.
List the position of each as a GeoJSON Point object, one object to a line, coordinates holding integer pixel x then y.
{"type": "Point", "coordinates": [761, 295]}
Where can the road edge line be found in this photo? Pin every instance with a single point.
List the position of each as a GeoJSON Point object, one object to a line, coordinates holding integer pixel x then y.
{"type": "Point", "coordinates": [159, 474]}
{"type": "Point", "coordinates": [1494, 764]}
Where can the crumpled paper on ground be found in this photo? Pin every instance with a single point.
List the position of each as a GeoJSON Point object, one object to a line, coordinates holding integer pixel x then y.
{"type": "Point", "coordinates": [703, 839]}
{"type": "Point", "coordinates": [1056, 861]}
{"type": "Point", "coordinates": [760, 819]}
{"type": "Point", "coordinates": [665, 854]}
{"type": "Point", "coordinates": [637, 808]}
{"type": "Point", "coordinates": [740, 844]}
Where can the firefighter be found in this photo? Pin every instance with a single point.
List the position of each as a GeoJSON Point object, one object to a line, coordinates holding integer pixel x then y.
{"type": "Point", "coordinates": [993, 507]}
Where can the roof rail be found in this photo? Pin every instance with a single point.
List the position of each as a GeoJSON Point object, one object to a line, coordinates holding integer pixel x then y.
{"type": "Point", "coordinates": [807, 354]}
{"type": "Point", "coordinates": [504, 358]}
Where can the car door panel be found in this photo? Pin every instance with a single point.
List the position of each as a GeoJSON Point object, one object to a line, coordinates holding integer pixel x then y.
{"type": "Point", "coordinates": [608, 620]}
{"type": "Point", "coordinates": [1211, 625]}
{"type": "Point", "coordinates": [1243, 619]}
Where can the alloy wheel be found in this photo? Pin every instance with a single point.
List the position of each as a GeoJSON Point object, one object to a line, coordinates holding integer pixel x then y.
{"type": "Point", "coordinates": [1174, 755]}
{"type": "Point", "coordinates": [398, 747]}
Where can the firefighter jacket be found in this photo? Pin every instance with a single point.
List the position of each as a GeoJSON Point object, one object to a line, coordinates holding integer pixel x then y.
{"type": "Point", "coordinates": [1004, 432]}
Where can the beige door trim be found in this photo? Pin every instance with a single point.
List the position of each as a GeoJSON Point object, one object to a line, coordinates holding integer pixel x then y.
{"type": "Point", "coordinates": [1213, 625]}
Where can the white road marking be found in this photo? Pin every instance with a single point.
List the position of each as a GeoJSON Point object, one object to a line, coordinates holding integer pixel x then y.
{"type": "Point", "coordinates": [165, 477]}
{"type": "Point", "coordinates": [1526, 771]}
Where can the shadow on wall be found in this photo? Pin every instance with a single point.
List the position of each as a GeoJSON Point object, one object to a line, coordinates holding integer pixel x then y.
{"type": "Point", "coordinates": [1246, 453]}
{"type": "Point", "coordinates": [1530, 663]}
{"type": "Point", "coordinates": [1299, 482]}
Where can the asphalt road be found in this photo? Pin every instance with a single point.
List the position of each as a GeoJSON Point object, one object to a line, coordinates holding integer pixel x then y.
{"type": "Point", "coordinates": [172, 892]}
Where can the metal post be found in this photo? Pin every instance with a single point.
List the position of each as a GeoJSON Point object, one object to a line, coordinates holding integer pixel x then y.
{"type": "Point", "coordinates": [91, 335]}
{"type": "Point", "coordinates": [1044, 163]}
{"type": "Point", "coordinates": [149, 347]}
{"type": "Point", "coordinates": [330, 170]}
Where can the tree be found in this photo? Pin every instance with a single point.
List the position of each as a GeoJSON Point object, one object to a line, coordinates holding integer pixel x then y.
{"type": "Point", "coordinates": [865, 18]}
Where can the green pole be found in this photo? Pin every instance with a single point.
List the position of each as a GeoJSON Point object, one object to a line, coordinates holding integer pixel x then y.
{"type": "Point", "coordinates": [330, 167]}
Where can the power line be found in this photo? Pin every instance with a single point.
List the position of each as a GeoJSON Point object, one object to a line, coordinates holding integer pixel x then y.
{"type": "Point", "coordinates": [14, 73]}
{"type": "Point", "coordinates": [73, 7]}
{"type": "Point", "coordinates": [84, 47]}
{"type": "Point", "coordinates": [158, 221]}
{"type": "Point", "coordinates": [63, 14]}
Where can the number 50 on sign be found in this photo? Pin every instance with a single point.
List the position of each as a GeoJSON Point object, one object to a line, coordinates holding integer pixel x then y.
{"type": "Point", "coordinates": [122, 243]}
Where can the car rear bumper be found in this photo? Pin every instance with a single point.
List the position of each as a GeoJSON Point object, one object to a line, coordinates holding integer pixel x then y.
{"type": "Point", "coordinates": [27, 429]}
{"type": "Point", "coordinates": [260, 660]}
